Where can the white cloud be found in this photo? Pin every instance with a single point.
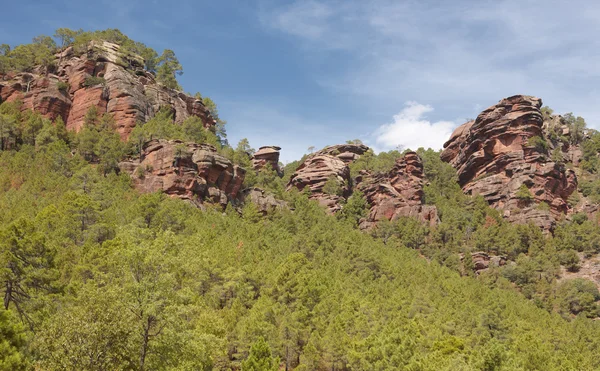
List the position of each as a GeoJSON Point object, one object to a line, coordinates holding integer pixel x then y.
{"type": "Point", "coordinates": [411, 129]}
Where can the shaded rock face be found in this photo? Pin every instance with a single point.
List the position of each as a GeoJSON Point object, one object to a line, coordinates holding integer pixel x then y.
{"type": "Point", "coordinates": [493, 158]}
{"type": "Point", "coordinates": [482, 261]}
{"type": "Point", "coordinates": [329, 163]}
{"type": "Point", "coordinates": [399, 193]}
{"type": "Point", "coordinates": [266, 156]}
{"type": "Point", "coordinates": [265, 201]}
{"type": "Point", "coordinates": [194, 172]}
{"type": "Point", "coordinates": [128, 92]}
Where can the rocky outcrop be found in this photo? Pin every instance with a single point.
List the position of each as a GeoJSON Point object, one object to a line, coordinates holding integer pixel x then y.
{"type": "Point", "coordinates": [482, 261]}
{"type": "Point", "coordinates": [398, 193]}
{"type": "Point", "coordinates": [264, 201]}
{"type": "Point", "coordinates": [121, 88]}
{"type": "Point", "coordinates": [194, 172]}
{"type": "Point", "coordinates": [328, 166]}
{"type": "Point", "coordinates": [266, 156]}
{"type": "Point", "coordinates": [495, 156]}
{"type": "Point", "coordinates": [36, 92]}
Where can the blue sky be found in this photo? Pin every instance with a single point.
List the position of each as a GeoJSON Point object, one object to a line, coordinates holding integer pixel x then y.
{"type": "Point", "coordinates": [312, 73]}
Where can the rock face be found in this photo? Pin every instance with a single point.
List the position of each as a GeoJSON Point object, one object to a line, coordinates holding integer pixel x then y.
{"type": "Point", "coordinates": [127, 91]}
{"type": "Point", "coordinates": [330, 165]}
{"type": "Point", "coordinates": [266, 156]}
{"type": "Point", "coordinates": [265, 202]}
{"type": "Point", "coordinates": [398, 193]}
{"type": "Point", "coordinates": [494, 157]}
{"type": "Point", "coordinates": [389, 196]}
{"type": "Point", "coordinates": [482, 261]}
{"type": "Point", "coordinates": [194, 172]}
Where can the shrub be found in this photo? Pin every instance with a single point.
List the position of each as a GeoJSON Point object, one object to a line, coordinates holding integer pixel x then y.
{"type": "Point", "coordinates": [543, 206]}
{"type": "Point", "coordinates": [332, 186]}
{"type": "Point", "coordinates": [538, 143]}
{"type": "Point", "coordinates": [569, 259]}
{"type": "Point", "coordinates": [62, 86]}
{"type": "Point", "coordinates": [579, 218]}
{"type": "Point", "coordinates": [524, 193]}
{"type": "Point", "coordinates": [93, 81]}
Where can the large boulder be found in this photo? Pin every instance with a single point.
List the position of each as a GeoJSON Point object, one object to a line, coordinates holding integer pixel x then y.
{"type": "Point", "coordinates": [495, 157]}
{"type": "Point", "coordinates": [398, 193]}
{"type": "Point", "coordinates": [193, 172]}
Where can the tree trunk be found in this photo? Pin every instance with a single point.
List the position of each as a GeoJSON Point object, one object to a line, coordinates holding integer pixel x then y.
{"type": "Point", "coordinates": [7, 295]}
{"type": "Point", "coordinates": [145, 341]}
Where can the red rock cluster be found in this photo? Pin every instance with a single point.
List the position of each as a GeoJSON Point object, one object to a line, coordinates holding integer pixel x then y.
{"type": "Point", "coordinates": [398, 193]}
{"type": "Point", "coordinates": [128, 92]}
{"type": "Point", "coordinates": [194, 172]}
{"type": "Point", "coordinates": [495, 155]}
{"type": "Point", "coordinates": [328, 165]}
{"type": "Point", "coordinates": [266, 156]}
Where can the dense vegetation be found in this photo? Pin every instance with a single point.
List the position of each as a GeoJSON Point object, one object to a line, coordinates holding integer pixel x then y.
{"type": "Point", "coordinates": [96, 276]}
{"type": "Point", "coordinates": [40, 53]}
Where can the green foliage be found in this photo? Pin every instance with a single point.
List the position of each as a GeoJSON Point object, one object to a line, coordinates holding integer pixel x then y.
{"type": "Point", "coordinates": [547, 112]}
{"type": "Point", "coordinates": [62, 86]}
{"type": "Point", "coordinates": [543, 206]}
{"type": "Point", "coordinates": [523, 193]}
{"type": "Point", "coordinates": [243, 153]}
{"type": "Point", "coordinates": [98, 141]}
{"type": "Point", "coordinates": [260, 358]}
{"type": "Point", "coordinates": [577, 296]}
{"type": "Point", "coordinates": [576, 126]}
{"type": "Point", "coordinates": [355, 208]}
{"type": "Point", "coordinates": [162, 126]}
{"type": "Point", "coordinates": [380, 163]}
{"type": "Point", "coordinates": [168, 68]}
{"type": "Point", "coordinates": [332, 186]}
{"type": "Point", "coordinates": [93, 80]}
{"type": "Point", "coordinates": [539, 143]}
{"type": "Point", "coordinates": [591, 149]}
{"type": "Point", "coordinates": [211, 106]}
{"type": "Point", "coordinates": [569, 259]}
{"type": "Point", "coordinates": [145, 281]}
{"type": "Point", "coordinates": [12, 343]}
{"type": "Point", "coordinates": [557, 156]}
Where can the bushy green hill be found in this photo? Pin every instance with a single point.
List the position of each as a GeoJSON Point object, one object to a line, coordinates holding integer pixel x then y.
{"type": "Point", "coordinates": [105, 278]}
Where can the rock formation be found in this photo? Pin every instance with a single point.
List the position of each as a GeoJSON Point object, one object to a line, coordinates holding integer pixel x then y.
{"type": "Point", "coordinates": [397, 193]}
{"type": "Point", "coordinates": [194, 172]}
{"type": "Point", "coordinates": [328, 166]}
{"type": "Point", "coordinates": [482, 261]}
{"type": "Point", "coordinates": [502, 150]}
{"type": "Point", "coordinates": [265, 201]}
{"type": "Point", "coordinates": [103, 77]}
{"type": "Point", "coordinates": [266, 156]}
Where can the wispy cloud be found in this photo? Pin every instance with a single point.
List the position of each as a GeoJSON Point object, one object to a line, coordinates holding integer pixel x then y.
{"type": "Point", "coordinates": [453, 54]}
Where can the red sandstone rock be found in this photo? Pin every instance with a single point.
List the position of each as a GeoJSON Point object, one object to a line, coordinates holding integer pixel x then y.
{"type": "Point", "coordinates": [493, 158]}
{"type": "Point", "coordinates": [129, 93]}
{"type": "Point", "coordinates": [194, 172]}
{"type": "Point", "coordinates": [329, 163]}
{"type": "Point", "coordinates": [399, 193]}
{"type": "Point", "coordinates": [266, 156]}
